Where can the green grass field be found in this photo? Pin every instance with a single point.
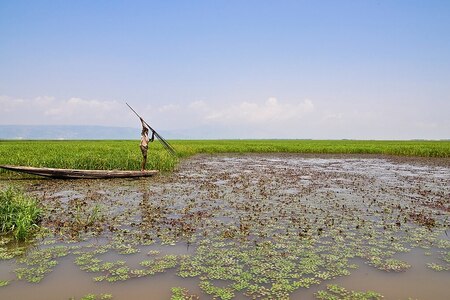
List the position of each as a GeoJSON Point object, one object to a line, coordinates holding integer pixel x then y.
{"type": "Point", "coordinates": [125, 155]}
{"type": "Point", "coordinates": [402, 148]}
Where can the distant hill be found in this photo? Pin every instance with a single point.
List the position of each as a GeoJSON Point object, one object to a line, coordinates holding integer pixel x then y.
{"type": "Point", "coordinates": [68, 132]}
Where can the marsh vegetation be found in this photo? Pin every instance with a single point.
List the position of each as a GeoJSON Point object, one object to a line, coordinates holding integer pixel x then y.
{"type": "Point", "coordinates": [125, 155]}
{"type": "Point", "coordinates": [242, 226]}
{"type": "Point", "coordinates": [19, 214]}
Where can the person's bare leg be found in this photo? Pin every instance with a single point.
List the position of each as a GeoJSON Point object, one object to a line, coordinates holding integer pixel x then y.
{"type": "Point", "coordinates": [144, 161]}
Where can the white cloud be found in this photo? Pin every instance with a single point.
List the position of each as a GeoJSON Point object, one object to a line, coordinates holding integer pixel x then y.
{"type": "Point", "coordinates": [48, 110]}
{"type": "Point", "coordinates": [427, 125]}
{"type": "Point", "coordinates": [332, 116]}
{"type": "Point", "coordinates": [255, 113]}
{"type": "Point", "coordinates": [246, 119]}
{"type": "Point", "coordinates": [9, 104]}
{"type": "Point", "coordinates": [199, 106]}
{"type": "Point", "coordinates": [168, 108]}
{"type": "Point", "coordinates": [82, 111]}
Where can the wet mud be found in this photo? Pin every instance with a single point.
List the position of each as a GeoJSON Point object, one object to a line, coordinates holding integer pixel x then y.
{"type": "Point", "coordinates": [272, 226]}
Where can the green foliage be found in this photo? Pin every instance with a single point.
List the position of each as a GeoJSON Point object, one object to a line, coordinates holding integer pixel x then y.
{"type": "Point", "coordinates": [403, 148]}
{"type": "Point", "coordinates": [19, 214]}
{"type": "Point", "coordinates": [125, 155]}
{"type": "Point", "coordinates": [4, 283]}
{"type": "Point", "coordinates": [336, 292]}
{"type": "Point", "coordinates": [179, 293]}
{"type": "Point", "coordinates": [84, 218]}
{"type": "Point", "coordinates": [255, 234]}
{"type": "Point", "coordinates": [217, 292]}
{"type": "Point", "coordinates": [102, 155]}
{"type": "Point", "coordinates": [437, 267]}
{"type": "Point", "coordinates": [40, 262]}
{"type": "Point", "coordinates": [95, 297]}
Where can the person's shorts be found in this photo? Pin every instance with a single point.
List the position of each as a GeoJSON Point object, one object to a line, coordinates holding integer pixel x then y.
{"type": "Point", "coordinates": [144, 150]}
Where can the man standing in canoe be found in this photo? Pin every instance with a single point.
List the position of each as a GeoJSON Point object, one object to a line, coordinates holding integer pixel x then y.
{"type": "Point", "coordinates": [144, 143]}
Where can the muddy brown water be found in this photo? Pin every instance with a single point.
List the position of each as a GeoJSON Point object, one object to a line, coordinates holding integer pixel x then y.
{"type": "Point", "coordinates": [361, 222]}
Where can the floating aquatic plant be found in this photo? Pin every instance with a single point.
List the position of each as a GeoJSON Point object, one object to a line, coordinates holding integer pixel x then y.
{"type": "Point", "coordinates": [179, 293]}
{"type": "Point", "coordinates": [437, 267]}
{"type": "Point", "coordinates": [95, 297]}
{"type": "Point", "coordinates": [217, 292]}
{"type": "Point", "coordinates": [335, 292]}
{"type": "Point", "coordinates": [4, 283]}
{"type": "Point", "coordinates": [40, 262]}
{"type": "Point", "coordinates": [10, 253]}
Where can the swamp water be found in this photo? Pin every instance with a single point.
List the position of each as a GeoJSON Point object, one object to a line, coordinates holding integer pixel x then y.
{"type": "Point", "coordinates": [241, 227]}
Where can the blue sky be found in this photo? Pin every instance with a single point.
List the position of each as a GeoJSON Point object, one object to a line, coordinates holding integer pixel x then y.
{"type": "Point", "coordinates": [230, 69]}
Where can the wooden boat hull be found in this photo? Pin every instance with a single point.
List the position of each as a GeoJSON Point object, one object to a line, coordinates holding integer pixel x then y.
{"type": "Point", "coordinates": [79, 174]}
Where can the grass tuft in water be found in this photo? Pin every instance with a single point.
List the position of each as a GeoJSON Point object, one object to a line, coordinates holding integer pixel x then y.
{"type": "Point", "coordinates": [19, 213]}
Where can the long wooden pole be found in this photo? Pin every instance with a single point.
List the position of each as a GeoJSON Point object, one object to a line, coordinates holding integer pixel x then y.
{"type": "Point", "coordinates": [166, 144]}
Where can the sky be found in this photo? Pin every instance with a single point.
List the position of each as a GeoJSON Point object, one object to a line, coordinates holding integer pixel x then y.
{"type": "Point", "coordinates": [230, 69]}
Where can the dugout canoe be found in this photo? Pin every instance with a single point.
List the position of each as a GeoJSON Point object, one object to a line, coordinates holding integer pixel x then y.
{"type": "Point", "coordinates": [79, 174]}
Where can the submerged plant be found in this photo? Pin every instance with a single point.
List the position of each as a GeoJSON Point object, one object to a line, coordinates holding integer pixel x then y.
{"type": "Point", "coordinates": [19, 213]}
